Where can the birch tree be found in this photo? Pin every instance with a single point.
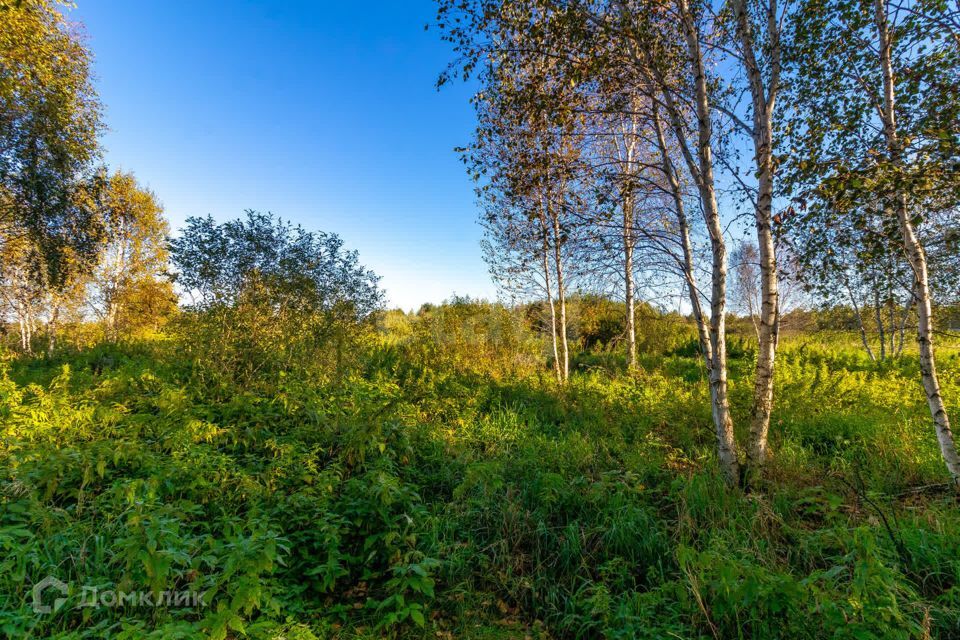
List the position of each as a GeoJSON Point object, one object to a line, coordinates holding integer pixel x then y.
{"type": "Point", "coordinates": [50, 122]}
{"type": "Point", "coordinates": [127, 286]}
{"type": "Point", "coordinates": [674, 65]}
{"type": "Point", "coordinates": [757, 35]}
{"type": "Point", "coordinates": [876, 111]}
{"type": "Point", "coordinates": [666, 63]}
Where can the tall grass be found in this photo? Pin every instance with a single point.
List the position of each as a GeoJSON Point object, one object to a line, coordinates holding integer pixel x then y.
{"type": "Point", "coordinates": [446, 486]}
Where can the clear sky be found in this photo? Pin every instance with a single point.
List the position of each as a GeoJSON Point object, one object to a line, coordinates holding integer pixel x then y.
{"type": "Point", "coordinates": [323, 112]}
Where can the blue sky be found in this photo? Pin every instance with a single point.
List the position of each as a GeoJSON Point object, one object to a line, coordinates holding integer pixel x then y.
{"type": "Point", "coordinates": [323, 112]}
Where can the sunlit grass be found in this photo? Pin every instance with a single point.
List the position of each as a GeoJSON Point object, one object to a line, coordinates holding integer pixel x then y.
{"type": "Point", "coordinates": [429, 493]}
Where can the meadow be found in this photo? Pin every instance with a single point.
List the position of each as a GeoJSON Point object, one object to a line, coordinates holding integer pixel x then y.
{"type": "Point", "coordinates": [701, 213]}
{"type": "Point", "coordinates": [439, 483]}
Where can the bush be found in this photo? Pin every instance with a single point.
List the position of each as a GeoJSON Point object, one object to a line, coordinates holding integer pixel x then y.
{"type": "Point", "coordinates": [267, 298]}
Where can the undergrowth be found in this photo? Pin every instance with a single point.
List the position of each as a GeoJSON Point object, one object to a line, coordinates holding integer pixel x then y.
{"type": "Point", "coordinates": [419, 494]}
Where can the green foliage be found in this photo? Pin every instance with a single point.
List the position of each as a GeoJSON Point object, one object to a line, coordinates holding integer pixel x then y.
{"type": "Point", "coordinates": [269, 298]}
{"type": "Point", "coordinates": [129, 292]}
{"type": "Point", "coordinates": [473, 336]}
{"type": "Point", "coordinates": [49, 135]}
{"type": "Point", "coordinates": [217, 264]}
{"type": "Point", "coordinates": [428, 492]}
{"type": "Point", "coordinates": [599, 325]}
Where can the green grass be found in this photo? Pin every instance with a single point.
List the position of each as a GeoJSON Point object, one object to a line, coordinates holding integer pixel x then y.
{"type": "Point", "coordinates": [429, 494]}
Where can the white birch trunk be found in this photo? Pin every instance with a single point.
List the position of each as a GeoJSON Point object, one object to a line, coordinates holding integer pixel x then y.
{"type": "Point", "coordinates": [702, 169]}
{"type": "Point", "coordinates": [917, 259]}
{"type": "Point", "coordinates": [686, 265]}
{"type": "Point", "coordinates": [553, 309]}
{"type": "Point", "coordinates": [561, 297]}
{"type": "Point", "coordinates": [763, 100]}
{"type": "Point", "coordinates": [628, 247]}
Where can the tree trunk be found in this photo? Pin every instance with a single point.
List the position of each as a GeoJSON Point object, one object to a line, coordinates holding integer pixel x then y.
{"type": "Point", "coordinates": [553, 309]}
{"type": "Point", "coordinates": [700, 166]}
{"type": "Point", "coordinates": [686, 264]}
{"type": "Point", "coordinates": [892, 313]}
{"type": "Point", "coordinates": [723, 422]}
{"type": "Point", "coordinates": [628, 245]}
{"type": "Point", "coordinates": [917, 259]}
{"type": "Point", "coordinates": [52, 330]}
{"type": "Point", "coordinates": [863, 330]}
{"type": "Point", "coordinates": [561, 297]}
{"type": "Point", "coordinates": [925, 332]}
{"type": "Point", "coordinates": [903, 322]}
{"type": "Point", "coordinates": [878, 318]}
{"type": "Point", "coordinates": [726, 444]}
{"type": "Point", "coordinates": [113, 310]}
{"type": "Point", "coordinates": [763, 99]}
{"type": "Point", "coordinates": [28, 322]}
{"type": "Point", "coordinates": [24, 332]}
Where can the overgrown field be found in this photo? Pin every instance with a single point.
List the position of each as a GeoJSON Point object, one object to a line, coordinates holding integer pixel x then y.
{"type": "Point", "coordinates": [444, 486]}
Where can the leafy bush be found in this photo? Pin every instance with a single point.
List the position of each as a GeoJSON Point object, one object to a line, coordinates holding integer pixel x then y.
{"type": "Point", "coordinates": [268, 297]}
